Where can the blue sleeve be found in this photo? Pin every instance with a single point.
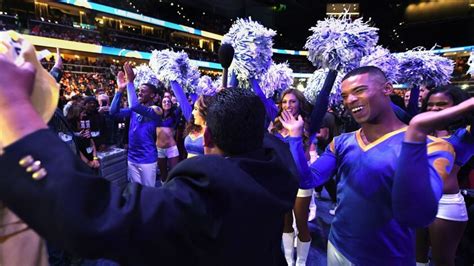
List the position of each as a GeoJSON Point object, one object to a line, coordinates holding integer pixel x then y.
{"type": "Point", "coordinates": [322, 103]}
{"type": "Point", "coordinates": [234, 83]}
{"type": "Point", "coordinates": [319, 172]}
{"type": "Point", "coordinates": [56, 73]}
{"type": "Point", "coordinates": [412, 107]}
{"type": "Point", "coordinates": [417, 185]}
{"type": "Point", "coordinates": [270, 107]}
{"type": "Point", "coordinates": [182, 100]}
{"type": "Point", "coordinates": [115, 110]}
{"type": "Point", "coordinates": [401, 114]}
{"type": "Point", "coordinates": [138, 108]}
{"type": "Point", "coordinates": [132, 95]}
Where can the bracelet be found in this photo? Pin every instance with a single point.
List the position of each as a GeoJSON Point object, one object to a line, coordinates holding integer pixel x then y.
{"type": "Point", "coordinates": [96, 158]}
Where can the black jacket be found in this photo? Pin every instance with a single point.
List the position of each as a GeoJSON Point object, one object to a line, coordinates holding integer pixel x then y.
{"type": "Point", "coordinates": [212, 210]}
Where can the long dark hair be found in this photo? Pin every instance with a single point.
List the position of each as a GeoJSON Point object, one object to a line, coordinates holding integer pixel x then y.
{"type": "Point", "coordinates": [74, 116]}
{"type": "Point", "coordinates": [170, 112]}
{"type": "Point", "coordinates": [304, 108]}
{"type": "Point", "coordinates": [202, 104]}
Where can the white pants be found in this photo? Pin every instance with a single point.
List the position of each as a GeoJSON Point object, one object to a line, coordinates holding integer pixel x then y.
{"type": "Point", "coordinates": [335, 258]}
{"type": "Point", "coordinates": [144, 174]}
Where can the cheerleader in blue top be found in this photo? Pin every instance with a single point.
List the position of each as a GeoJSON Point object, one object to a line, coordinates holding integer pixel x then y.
{"type": "Point", "coordinates": [194, 141]}
{"type": "Point", "coordinates": [390, 176]}
{"type": "Point", "coordinates": [168, 154]}
{"type": "Point", "coordinates": [446, 231]}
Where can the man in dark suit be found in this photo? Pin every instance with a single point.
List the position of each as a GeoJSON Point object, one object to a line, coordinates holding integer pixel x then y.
{"type": "Point", "coordinates": [224, 208]}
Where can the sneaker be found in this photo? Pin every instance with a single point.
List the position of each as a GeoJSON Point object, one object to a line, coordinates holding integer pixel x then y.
{"type": "Point", "coordinates": [333, 210]}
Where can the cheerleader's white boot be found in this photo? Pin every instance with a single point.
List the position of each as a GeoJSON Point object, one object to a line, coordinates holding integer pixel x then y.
{"type": "Point", "coordinates": [288, 248]}
{"type": "Point", "coordinates": [302, 250]}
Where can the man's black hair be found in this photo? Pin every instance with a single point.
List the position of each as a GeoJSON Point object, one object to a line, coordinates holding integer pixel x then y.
{"type": "Point", "coordinates": [156, 89]}
{"type": "Point", "coordinates": [236, 120]}
{"type": "Point", "coordinates": [364, 70]}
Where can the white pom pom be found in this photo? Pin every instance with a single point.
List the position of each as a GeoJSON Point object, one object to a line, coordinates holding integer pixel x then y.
{"type": "Point", "coordinates": [470, 62]}
{"type": "Point", "coordinates": [340, 43]}
{"type": "Point", "coordinates": [278, 78]}
{"type": "Point", "coordinates": [252, 44]}
{"type": "Point", "coordinates": [144, 74]}
{"type": "Point", "coordinates": [315, 85]}
{"type": "Point", "coordinates": [206, 86]}
{"type": "Point", "coordinates": [420, 67]}
{"type": "Point", "coordinates": [383, 59]}
{"type": "Point", "coordinates": [174, 66]}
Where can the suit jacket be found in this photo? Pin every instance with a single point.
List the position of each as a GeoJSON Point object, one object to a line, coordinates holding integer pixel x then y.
{"type": "Point", "coordinates": [212, 210]}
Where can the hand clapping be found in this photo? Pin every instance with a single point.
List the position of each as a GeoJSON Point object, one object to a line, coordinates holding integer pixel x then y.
{"type": "Point", "coordinates": [292, 124]}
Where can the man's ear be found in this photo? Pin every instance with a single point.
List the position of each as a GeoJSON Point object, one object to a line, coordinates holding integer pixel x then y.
{"type": "Point", "coordinates": [208, 138]}
{"type": "Point", "coordinates": [388, 88]}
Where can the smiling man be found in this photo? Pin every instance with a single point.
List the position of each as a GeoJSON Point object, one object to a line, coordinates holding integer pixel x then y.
{"type": "Point", "coordinates": [389, 176]}
{"type": "Point", "coordinates": [144, 118]}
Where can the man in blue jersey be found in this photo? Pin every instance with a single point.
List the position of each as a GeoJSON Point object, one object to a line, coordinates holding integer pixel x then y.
{"type": "Point", "coordinates": [389, 175]}
{"type": "Point", "coordinates": [144, 118]}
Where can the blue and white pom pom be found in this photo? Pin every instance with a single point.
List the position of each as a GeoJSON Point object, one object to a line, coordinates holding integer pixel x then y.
{"type": "Point", "coordinates": [144, 74]}
{"type": "Point", "coordinates": [174, 66]}
{"type": "Point", "coordinates": [252, 44]}
{"type": "Point", "coordinates": [419, 67]}
{"type": "Point", "coordinates": [315, 85]}
{"type": "Point", "coordinates": [383, 59]}
{"type": "Point", "coordinates": [206, 86]}
{"type": "Point", "coordinates": [470, 62]}
{"type": "Point", "coordinates": [278, 78]}
{"type": "Point", "coordinates": [340, 43]}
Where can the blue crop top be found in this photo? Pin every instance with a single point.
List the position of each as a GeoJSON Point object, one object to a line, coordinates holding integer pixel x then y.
{"type": "Point", "coordinates": [194, 146]}
{"type": "Point", "coordinates": [463, 144]}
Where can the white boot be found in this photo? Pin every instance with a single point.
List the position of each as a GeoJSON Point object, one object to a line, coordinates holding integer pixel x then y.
{"type": "Point", "coordinates": [288, 248]}
{"type": "Point", "coordinates": [302, 250]}
{"type": "Point", "coordinates": [423, 263]}
{"type": "Point", "coordinates": [312, 209]}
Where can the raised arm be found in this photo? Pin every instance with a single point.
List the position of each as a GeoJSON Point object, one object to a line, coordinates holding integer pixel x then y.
{"type": "Point", "coordinates": [234, 83]}
{"type": "Point", "coordinates": [182, 100]}
{"type": "Point", "coordinates": [115, 105]}
{"type": "Point", "coordinates": [322, 103]}
{"type": "Point", "coordinates": [270, 108]}
{"type": "Point", "coordinates": [57, 70]}
{"type": "Point", "coordinates": [428, 165]}
{"type": "Point", "coordinates": [412, 107]}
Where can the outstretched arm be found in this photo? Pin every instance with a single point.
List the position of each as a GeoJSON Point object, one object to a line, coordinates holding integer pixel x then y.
{"type": "Point", "coordinates": [270, 108]}
{"type": "Point", "coordinates": [322, 103]}
{"type": "Point", "coordinates": [415, 200]}
{"type": "Point", "coordinates": [57, 70]}
{"type": "Point", "coordinates": [182, 100]}
{"type": "Point", "coordinates": [234, 83]}
{"type": "Point", "coordinates": [115, 105]}
{"type": "Point", "coordinates": [412, 107]}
